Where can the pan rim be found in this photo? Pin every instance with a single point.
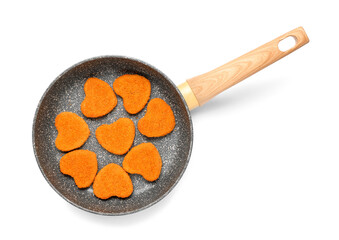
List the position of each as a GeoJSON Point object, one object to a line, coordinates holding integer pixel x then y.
{"type": "Point", "coordinates": [188, 154]}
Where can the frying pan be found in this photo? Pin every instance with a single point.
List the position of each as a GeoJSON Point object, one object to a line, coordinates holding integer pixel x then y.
{"type": "Point", "coordinates": [66, 94]}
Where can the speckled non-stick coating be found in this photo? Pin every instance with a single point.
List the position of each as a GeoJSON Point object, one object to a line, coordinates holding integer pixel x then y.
{"type": "Point", "coordinates": [66, 94]}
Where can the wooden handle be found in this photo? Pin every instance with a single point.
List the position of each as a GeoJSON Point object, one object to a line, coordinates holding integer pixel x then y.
{"type": "Point", "coordinates": [206, 86]}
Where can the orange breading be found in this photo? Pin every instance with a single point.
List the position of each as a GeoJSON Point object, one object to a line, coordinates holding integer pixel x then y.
{"type": "Point", "coordinates": [100, 98]}
{"type": "Point", "coordinates": [73, 131]}
{"type": "Point", "coordinates": [111, 181]}
{"type": "Point", "coordinates": [117, 137]}
{"type": "Point", "coordinates": [82, 165]}
{"type": "Point", "coordinates": [135, 91]}
{"type": "Point", "coordinates": [145, 160]}
{"type": "Point", "coordinates": [159, 119]}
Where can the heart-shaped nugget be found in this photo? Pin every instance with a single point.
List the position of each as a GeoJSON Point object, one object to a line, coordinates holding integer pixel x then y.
{"type": "Point", "coordinates": [145, 160]}
{"type": "Point", "coordinates": [100, 98]}
{"type": "Point", "coordinates": [82, 165]}
{"type": "Point", "coordinates": [159, 119]}
{"type": "Point", "coordinates": [135, 91]}
{"type": "Point", "coordinates": [117, 137]}
{"type": "Point", "coordinates": [111, 181]}
{"type": "Point", "coordinates": [73, 131]}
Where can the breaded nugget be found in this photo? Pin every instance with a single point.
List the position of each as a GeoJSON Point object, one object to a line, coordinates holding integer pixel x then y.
{"type": "Point", "coordinates": [145, 160]}
{"type": "Point", "coordinates": [73, 131]}
{"type": "Point", "coordinates": [100, 98]}
{"type": "Point", "coordinates": [159, 119]}
{"type": "Point", "coordinates": [135, 91]}
{"type": "Point", "coordinates": [111, 181]}
{"type": "Point", "coordinates": [82, 165]}
{"type": "Point", "coordinates": [117, 137]}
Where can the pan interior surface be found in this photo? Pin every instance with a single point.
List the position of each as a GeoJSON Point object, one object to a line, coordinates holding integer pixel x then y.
{"type": "Point", "coordinates": [66, 94]}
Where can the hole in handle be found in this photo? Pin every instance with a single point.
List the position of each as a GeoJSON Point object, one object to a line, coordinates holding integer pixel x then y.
{"type": "Point", "coordinates": [287, 43]}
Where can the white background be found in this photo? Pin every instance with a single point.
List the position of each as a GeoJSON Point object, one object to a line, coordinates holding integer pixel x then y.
{"type": "Point", "coordinates": [265, 161]}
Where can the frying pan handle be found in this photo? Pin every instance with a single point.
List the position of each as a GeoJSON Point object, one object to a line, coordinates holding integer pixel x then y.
{"type": "Point", "coordinates": [200, 89]}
